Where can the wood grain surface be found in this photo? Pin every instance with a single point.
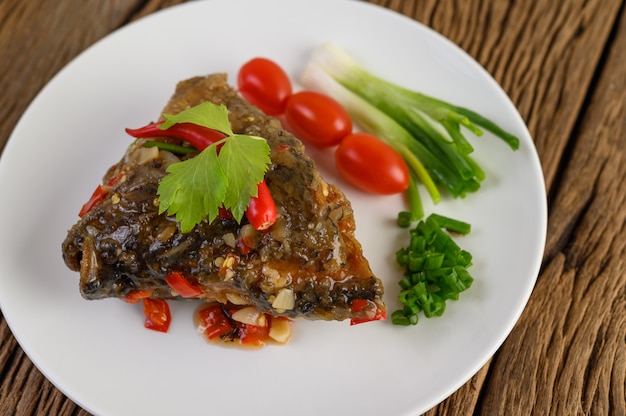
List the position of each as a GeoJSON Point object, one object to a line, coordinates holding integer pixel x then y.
{"type": "Point", "coordinates": [563, 63]}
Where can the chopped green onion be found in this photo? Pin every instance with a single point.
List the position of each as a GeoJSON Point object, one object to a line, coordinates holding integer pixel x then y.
{"type": "Point", "coordinates": [451, 224]}
{"type": "Point", "coordinates": [404, 219]}
{"type": "Point", "coordinates": [435, 269]}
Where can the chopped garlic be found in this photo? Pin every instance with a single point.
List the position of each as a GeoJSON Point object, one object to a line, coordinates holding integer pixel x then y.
{"type": "Point", "coordinates": [235, 299]}
{"type": "Point", "coordinates": [285, 300]}
{"type": "Point", "coordinates": [229, 239]}
{"type": "Point", "coordinates": [250, 315]}
{"type": "Point", "coordinates": [280, 330]}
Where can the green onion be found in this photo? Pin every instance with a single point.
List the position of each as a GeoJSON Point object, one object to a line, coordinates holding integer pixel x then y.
{"type": "Point", "coordinates": [404, 219]}
{"type": "Point", "coordinates": [451, 224]}
{"type": "Point", "coordinates": [174, 148]}
{"type": "Point", "coordinates": [424, 130]}
{"type": "Point", "coordinates": [435, 269]}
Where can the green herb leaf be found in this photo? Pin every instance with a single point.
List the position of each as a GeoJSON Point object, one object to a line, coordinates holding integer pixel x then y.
{"type": "Point", "coordinates": [205, 114]}
{"type": "Point", "coordinates": [244, 160]}
{"type": "Point", "coordinates": [193, 189]}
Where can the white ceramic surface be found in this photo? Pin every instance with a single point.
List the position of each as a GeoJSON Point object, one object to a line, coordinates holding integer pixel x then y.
{"type": "Point", "coordinates": [98, 352]}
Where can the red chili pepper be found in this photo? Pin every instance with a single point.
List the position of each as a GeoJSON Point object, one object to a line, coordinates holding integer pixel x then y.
{"type": "Point", "coordinates": [98, 195]}
{"type": "Point", "coordinates": [253, 335]}
{"type": "Point", "coordinates": [224, 213]}
{"type": "Point", "coordinates": [136, 296]}
{"type": "Point", "coordinates": [214, 322]}
{"type": "Point", "coordinates": [157, 313]}
{"type": "Point", "coordinates": [199, 137]}
{"type": "Point", "coordinates": [262, 209]}
{"type": "Point", "coordinates": [358, 305]}
{"type": "Point", "coordinates": [243, 246]}
{"type": "Point", "coordinates": [183, 286]}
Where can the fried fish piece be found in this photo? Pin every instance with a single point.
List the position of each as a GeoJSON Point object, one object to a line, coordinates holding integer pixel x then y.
{"type": "Point", "coordinates": [308, 264]}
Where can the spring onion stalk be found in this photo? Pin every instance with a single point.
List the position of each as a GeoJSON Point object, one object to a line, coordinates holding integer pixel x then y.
{"type": "Point", "coordinates": [414, 201]}
{"type": "Point", "coordinates": [400, 100]}
{"type": "Point", "coordinates": [435, 126]}
{"type": "Point", "coordinates": [378, 123]}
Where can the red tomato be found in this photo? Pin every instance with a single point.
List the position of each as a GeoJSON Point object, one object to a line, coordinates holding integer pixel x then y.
{"type": "Point", "coordinates": [265, 84]}
{"type": "Point", "coordinates": [157, 313]}
{"type": "Point", "coordinates": [317, 118]}
{"type": "Point", "coordinates": [214, 321]}
{"type": "Point", "coordinates": [371, 164]}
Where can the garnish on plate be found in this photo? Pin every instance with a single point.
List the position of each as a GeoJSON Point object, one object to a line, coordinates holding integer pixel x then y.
{"type": "Point", "coordinates": [409, 121]}
{"type": "Point", "coordinates": [434, 266]}
{"type": "Point", "coordinates": [225, 174]}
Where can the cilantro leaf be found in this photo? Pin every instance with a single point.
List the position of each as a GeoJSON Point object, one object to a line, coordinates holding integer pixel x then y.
{"type": "Point", "coordinates": [245, 160]}
{"type": "Point", "coordinates": [197, 188]}
{"type": "Point", "coordinates": [204, 114]}
{"type": "Point", "coordinates": [193, 189]}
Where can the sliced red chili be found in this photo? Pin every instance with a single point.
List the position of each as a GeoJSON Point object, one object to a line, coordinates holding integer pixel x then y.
{"type": "Point", "coordinates": [136, 296]}
{"type": "Point", "coordinates": [182, 285]}
{"type": "Point", "coordinates": [97, 197]}
{"type": "Point", "coordinates": [99, 194]}
{"type": "Point", "coordinates": [262, 209]}
{"type": "Point", "coordinates": [214, 322]}
{"type": "Point", "coordinates": [198, 136]}
{"type": "Point", "coordinates": [243, 246]}
{"type": "Point", "coordinates": [253, 335]}
{"type": "Point", "coordinates": [157, 312]}
{"type": "Point", "coordinates": [358, 305]}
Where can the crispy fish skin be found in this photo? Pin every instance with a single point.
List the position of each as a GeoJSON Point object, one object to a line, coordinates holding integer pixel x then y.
{"type": "Point", "coordinates": [309, 258]}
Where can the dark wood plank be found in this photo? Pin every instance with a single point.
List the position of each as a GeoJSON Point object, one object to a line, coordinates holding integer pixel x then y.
{"type": "Point", "coordinates": [36, 40]}
{"type": "Point", "coordinates": [542, 53]}
{"type": "Point", "coordinates": [570, 341]}
{"type": "Point", "coordinates": [45, 36]}
{"type": "Point", "coordinates": [567, 352]}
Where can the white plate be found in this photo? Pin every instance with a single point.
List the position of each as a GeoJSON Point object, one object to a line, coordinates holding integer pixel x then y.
{"type": "Point", "coordinates": [100, 355]}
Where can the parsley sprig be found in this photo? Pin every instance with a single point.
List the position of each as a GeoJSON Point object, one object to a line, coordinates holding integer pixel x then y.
{"type": "Point", "coordinates": [225, 174]}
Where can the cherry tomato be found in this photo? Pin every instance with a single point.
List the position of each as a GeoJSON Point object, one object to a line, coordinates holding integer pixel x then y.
{"type": "Point", "coordinates": [317, 118]}
{"type": "Point", "coordinates": [265, 84]}
{"type": "Point", "coordinates": [371, 164]}
{"type": "Point", "coordinates": [157, 313]}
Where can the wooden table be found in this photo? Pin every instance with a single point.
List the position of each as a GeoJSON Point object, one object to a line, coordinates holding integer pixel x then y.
{"type": "Point", "coordinates": [563, 63]}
